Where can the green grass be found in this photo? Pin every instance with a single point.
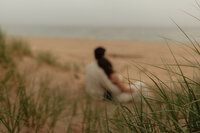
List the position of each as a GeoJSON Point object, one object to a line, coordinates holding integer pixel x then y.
{"type": "Point", "coordinates": [76, 67]}
{"type": "Point", "coordinates": [5, 58]}
{"type": "Point", "coordinates": [67, 66]}
{"type": "Point", "coordinates": [20, 48]}
{"type": "Point", "coordinates": [175, 107]}
{"type": "Point", "coordinates": [47, 57]}
{"type": "Point", "coordinates": [23, 108]}
{"type": "Point", "coordinates": [31, 110]}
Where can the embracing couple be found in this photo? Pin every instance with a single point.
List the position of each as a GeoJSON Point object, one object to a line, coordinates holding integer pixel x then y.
{"type": "Point", "coordinates": [102, 82]}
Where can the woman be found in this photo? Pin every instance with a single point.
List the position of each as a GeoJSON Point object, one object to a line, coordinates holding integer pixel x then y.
{"type": "Point", "coordinates": [111, 74]}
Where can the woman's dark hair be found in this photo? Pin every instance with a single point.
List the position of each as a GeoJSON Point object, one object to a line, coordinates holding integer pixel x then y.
{"type": "Point", "coordinates": [106, 66]}
{"type": "Point", "coordinates": [102, 61]}
{"type": "Point", "coordinates": [99, 52]}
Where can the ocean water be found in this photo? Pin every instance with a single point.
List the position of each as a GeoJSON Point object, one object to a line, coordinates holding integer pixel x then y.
{"type": "Point", "coordinates": [147, 34]}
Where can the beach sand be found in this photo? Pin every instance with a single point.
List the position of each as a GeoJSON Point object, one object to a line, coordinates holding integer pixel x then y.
{"type": "Point", "coordinates": [125, 56]}
{"type": "Point", "coordinates": [129, 58]}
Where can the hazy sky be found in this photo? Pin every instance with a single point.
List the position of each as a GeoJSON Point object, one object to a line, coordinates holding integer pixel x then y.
{"type": "Point", "coordinates": [97, 12]}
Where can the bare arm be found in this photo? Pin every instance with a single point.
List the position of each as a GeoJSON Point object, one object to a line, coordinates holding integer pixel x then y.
{"type": "Point", "coordinates": [116, 80]}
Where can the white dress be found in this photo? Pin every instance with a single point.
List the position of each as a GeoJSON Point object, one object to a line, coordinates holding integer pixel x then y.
{"type": "Point", "coordinates": [97, 82]}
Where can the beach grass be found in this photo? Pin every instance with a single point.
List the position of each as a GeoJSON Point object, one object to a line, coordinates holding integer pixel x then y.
{"type": "Point", "coordinates": [21, 108]}
{"type": "Point", "coordinates": [67, 66]}
{"type": "Point", "coordinates": [5, 57]}
{"type": "Point", "coordinates": [20, 48]}
{"type": "Point", "coordinates": [174, 107]}
{"type": "Point", "coordinates": [47, 57]}
{"type": "Point", "coordinates": [76, 67]}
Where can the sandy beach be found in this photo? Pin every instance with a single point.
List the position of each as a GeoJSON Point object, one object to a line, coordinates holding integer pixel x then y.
{"type": "Point", "coordinates": [125, 55]}
{"type": "Point", "coordinates": [133, 60]}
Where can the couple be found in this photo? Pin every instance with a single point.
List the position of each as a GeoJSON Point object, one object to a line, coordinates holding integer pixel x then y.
{"type": "Point", "coordinates": [102, 82]}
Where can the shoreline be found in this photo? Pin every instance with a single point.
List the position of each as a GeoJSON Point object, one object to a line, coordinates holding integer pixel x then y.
{"type": "Point", "coordinates": [82, 39]}
{"type": "Point", "coordinates": [138, 34]}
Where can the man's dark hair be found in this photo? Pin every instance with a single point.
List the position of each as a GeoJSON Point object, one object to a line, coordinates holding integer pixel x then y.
{"type": "Point", "coordinates": [99, 52]}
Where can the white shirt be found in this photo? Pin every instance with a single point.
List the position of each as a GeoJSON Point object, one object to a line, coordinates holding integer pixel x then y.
{"type": "Point", "coordinates": [97, 82]}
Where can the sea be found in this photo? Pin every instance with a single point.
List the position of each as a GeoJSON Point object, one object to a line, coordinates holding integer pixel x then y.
{"type": "Point", "coordinates": [144, 34]}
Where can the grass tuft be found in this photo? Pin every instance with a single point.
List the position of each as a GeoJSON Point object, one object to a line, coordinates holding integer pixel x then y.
{"type": "Point", "coordinates": [20, 48]}
{"type": "Point", "coordinates": [46, 57]}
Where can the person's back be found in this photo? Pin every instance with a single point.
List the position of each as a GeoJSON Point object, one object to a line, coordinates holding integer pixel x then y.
{"type": "Point", "coordinates": [92, 81]}
{"type": "Point", "coordinates": [102, 82]}
{"type": "Point", "coordinates": [97, 82]}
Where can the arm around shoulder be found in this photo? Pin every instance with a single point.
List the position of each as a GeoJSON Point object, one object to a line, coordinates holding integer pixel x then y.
{"type": "Point", "coordinates": [116, 80]}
